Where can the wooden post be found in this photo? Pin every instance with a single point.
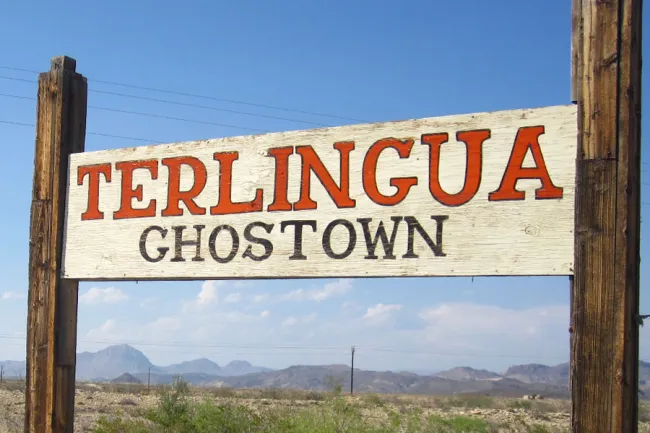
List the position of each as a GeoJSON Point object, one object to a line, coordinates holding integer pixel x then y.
{"type": "Point", "coordinates": [605, 289]}
{"type": "Point", "coordinates": [352, 374]}
{"type": "Point", "coordinates": [52, 302]}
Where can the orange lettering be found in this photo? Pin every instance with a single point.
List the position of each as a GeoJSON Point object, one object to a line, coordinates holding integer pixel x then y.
{"type": "Point", "coordinates": [280, 199]}
{"type": "Point", "coordinates": [403, 184]}
{"type": "Point", "coordinates": [473, 144]}
{"type": "Point", "coordinates": [311, 162]}
{"type": "Point", "coordinates": [128, 193]}
{"type": "Point", "coordinates": [93, 172]}
{"type": "Point", "coordinates": [175, 195]}
{"type": "Point", "coordinates": [527, 138]}
{"type": "Point", "coordinates": [225, 204]}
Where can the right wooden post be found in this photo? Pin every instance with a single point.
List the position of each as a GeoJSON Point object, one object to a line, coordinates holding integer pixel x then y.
{"type": "Point", "coordinates": [606, 86]}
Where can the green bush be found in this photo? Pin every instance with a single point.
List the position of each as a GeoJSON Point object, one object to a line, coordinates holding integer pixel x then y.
{"type": "Point", "coordinates": [458, 424]}
{"type": "Point", "coordinates": [175, 412]}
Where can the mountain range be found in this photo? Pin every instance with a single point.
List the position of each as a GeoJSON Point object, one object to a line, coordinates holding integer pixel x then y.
{"type": "Point", "coordinates": [114, 361]}
{"type": "Point", "coordinates": [125, 364]}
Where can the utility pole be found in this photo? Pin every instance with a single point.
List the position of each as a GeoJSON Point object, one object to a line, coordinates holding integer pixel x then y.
{"type": "Point", "coordinates": [2, 370]}
{"type": "Point", "coordinates": [352, 373]}
{"type": "Point", "coordinates": [52, 300]}
{"type": "Point", "coordinates": [149, 379]}
{"type": "Point", "coordinates": [606, 86]}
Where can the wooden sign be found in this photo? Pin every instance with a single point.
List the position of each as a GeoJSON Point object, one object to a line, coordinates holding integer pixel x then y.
{"type": "Point", "coordinates": [476, 194]}
{"type": "Point", "coordinates": [549, 191]}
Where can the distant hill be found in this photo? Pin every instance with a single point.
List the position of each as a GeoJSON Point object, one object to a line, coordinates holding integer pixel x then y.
{"type": "Point", "coordinates": [202, 365]}
{"type": "Point", "coordinates": [467, 373]}
{"type": "Point", "coordinates": [238, 368]}
{"type": "Point", "coordinates": [15, 369]}
{"type": "Point", "coordinates": [126, 378]}
{"type": "Point", "coordinates": [111, 362]}
{"type": "Point", "coordinates": [539, 373]}
{"type": "Point", "coordinates": [197, 379]}
{"type": "Point", "coordinates": [321, 377]}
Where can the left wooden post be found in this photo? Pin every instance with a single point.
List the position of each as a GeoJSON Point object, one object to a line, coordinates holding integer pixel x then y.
{"type": "Point", "coordinates": [52, 301]}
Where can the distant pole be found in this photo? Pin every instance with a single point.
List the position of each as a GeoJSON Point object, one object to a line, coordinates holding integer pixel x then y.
{"type": "Point", "coordinates": [605, 322]}
{"type": "Point", "coordinates": [52, 300]}
{"type": "Point", "coordinates": [352, 374]}
{"type": "Point", "coordinates": [2, 370]}
{"type": "Point", "coordinates": [149, 379]}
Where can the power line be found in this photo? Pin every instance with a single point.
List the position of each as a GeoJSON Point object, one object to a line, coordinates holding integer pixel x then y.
{"type": "Point", "coordinates": [9, 122]}
{"type": "Point", "coordinates": [18, 79]}
{"type": "Point", "coordinates": [178, 118]}
{"type": "Point", "coordinates": [193, 95]}
{"type": "Point", "coordinates": [300, 347]}
{"type": "Point", "coordinates": [101, 134]}
{"type": "Point", "coordinates": [205, 107]}
{"type": "Point", "coordinates": [205, 353]}
{"type": "Point", "coordinates": [426, 352]}
{"type": "Point", "coordinates": [181, 344]}
{"type": "Point", "coordinates": [184, 104]}
{"type": "Point", "coordinates": [30, 98]}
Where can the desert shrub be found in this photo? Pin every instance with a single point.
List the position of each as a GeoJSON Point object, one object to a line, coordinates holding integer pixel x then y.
{"type": "Point", "coordinates": [13, 385]}
{"type": "Point", "coordinates": [373, 400]}
{"type": "Point", "coordinates": [466, 402]}
{"type": "Point", "coordinates": [538, 428]}
{"type": "Point", "coordinates": [272, 394]}
{"type": "Point", "coordinates": [180, 385]}
{"type": "Point", "coordinates": [223, 392]}
{"type": "Point", "coordinates": [314, 396]}
{"type": "Point", "coordinates": [477, 401]}
{"type": "Point", "coordinates": [518, 404]}
{"type": "Point", "coordinates": [334, 384]}
{"type": "Point", "coordinates": [458, 424]}
{"type": "Point", "coordinates": [211, 418]}
{"type": "Point", "coordinates": [175, 412]}
{"type": "Point", "coordinates": [117, 424]}
{"type": "Point", "coordinates": [644, 413]}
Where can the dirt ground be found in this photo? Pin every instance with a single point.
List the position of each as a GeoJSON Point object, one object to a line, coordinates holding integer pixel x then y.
{"type": "Point", "coordinates": [93, 401]}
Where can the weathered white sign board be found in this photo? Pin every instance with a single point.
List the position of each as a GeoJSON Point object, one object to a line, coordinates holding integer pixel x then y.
{"type": "Point", "coordinates": [475, 194]}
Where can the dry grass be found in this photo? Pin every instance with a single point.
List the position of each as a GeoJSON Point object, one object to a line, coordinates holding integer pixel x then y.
{"type": "Point", "coordinates": [126, 403]}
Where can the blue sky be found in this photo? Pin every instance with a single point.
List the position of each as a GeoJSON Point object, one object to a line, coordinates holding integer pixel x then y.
{"type": "Point", "coordinates": [365, 60]}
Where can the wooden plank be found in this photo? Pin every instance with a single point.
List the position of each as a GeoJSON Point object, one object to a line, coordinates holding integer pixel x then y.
{"type": "Point", "coordinates": [576, 49]}
{"type": "Point", "coordinates": [593, 295]}
{"type": "Point", "coordinates": [52, 313]}
{"type": "Point", "coordinates": [628, 230]}
{"type": "Point", "coordinates": [605, 294]}
{"type": "Point", "coordinates": [476, 223]}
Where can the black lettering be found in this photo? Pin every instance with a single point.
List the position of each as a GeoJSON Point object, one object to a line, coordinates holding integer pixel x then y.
{"type": "Point", "coordinates": [327, 234]}
{"type": "Point", "coordinates": [213, 240]}
{"type": "Point", "coordinates": [297, 244]}
{"type": "Point", "coordinates": [381, 233]}
{"type": "Point", "coordinates": [162, 251]}
{"type": "Point", "coordinates": [268, 246]}
{"type": "Point", "coordinates": [414, 225]}
{"type": "Point", "coordinates": [180, 243]}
